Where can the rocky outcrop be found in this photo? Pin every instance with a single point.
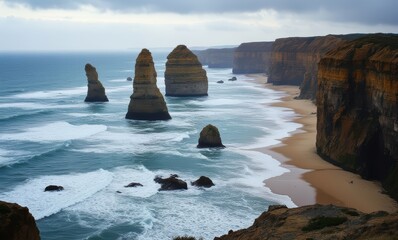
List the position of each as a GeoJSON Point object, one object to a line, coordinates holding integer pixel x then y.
{"type": "Point", "coordinates": [184, 75]}
{"type": "Point", "coordinates": [357, 102]}
{"type": "Point", "coordinates": [216, 57]}
{"type": "Point", "coordinates": [95, 91]}
{"type": "Point", "coordinates": [146, 102]}
{"type": "Point", "coordinates": [252, 57]}
{"type": "Point", "coordinates": [171, 183]}
{"type": "Point", "coordinates": [53, 188]}
{"type": "Point", "coordinates": [318, 222]}
{"type": "Point", "coordinates": [16, 223]}
{"type": "Point", "coordinates": [210, 137]}
{"type": "Point", "coordinates": [133, 184]}
{"type": "Point", "coordinates": [203, 181]}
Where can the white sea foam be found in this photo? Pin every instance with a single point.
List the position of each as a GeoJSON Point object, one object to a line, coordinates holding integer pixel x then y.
{"type": "Point", "coordinates": [56, 131]}
{"type": "Point", "coordinates": [35, 106]}
{"type": "Point", "coordinates": [8, 157]}
{"type": "Point", "coordinates": [77, 188]}
{"type": "Point", "coordinates": [52, 94]}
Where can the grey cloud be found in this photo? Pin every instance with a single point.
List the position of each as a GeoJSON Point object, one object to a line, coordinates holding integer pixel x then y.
{"type": "Point", "coordinates": [361, 11]}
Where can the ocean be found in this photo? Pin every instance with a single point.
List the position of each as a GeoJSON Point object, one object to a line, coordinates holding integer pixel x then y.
{"type": "Point", "coordinates": [49, 135]}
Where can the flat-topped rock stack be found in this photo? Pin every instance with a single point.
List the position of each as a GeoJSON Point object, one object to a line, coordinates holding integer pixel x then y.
{"type": "Point", "coordinates": [184, 75]}
{"type": "Point", "coordinates": [146, 102]}
{"type": "Point", "coordinates": [95, 91]}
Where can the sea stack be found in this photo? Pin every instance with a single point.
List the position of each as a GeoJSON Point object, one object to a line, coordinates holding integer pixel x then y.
{"type": "Point", "coordinates": [146, 102]}
{"type": "Point", "coordinates": [95, 91]}
{"type": "Point", "coordinates": [210, 137]}
{"type": "Point", "coordinates": [184, 75]}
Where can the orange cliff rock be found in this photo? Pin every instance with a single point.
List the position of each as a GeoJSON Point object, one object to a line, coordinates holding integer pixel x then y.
{"type": "Point", "coordinates": [95, 91]}
{"type": "Point", "coordinates": [252, 57]}
{"type": "Point", "coordinates": [184, 75]}
{"type": "Point", "coordinates": [357, 102]}
{"type": "Point", "coordinates": [146, 102]}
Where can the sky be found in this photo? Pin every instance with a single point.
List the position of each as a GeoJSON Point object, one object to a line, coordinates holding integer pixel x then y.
{"type": "Point", "coordinates": [119, 25]}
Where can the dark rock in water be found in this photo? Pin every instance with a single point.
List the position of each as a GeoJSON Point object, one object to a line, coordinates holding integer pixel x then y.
{"type": "Point", "coordinates": [221, 81]}
{"type": "Point", "coordinates": [52, 188]}
{"type": "Point", "coordinates": [118, 192]}
{"type": "Point", "coordinates": [146, 102]}
{"type": "Point", "coordinates": [134, 184]}
{"type": "Point", "coordinates": [171, 183]}
{"type": "Point", "coordinates": [210, 137]}
{"type": "Point", "coordinates": [203, 182]}
{"type": "Point", "coordinates": [16, 223]}
{"type": "Point", "coordinates": [129, 79]}
{"type": "Point", "coordinates": [95, 91]}
{"type": "Point", "coordinates": [232, 79]}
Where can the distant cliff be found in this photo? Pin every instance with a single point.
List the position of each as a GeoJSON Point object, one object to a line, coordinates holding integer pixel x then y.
{"type": "Point", "coordinates": [216, 58]}
{"type": "Point", "coordinates": [357, 104]}
{"type": "Point", "coordinates": [252, 57]}
{"type": "Point", "coordinates": [294, 61]}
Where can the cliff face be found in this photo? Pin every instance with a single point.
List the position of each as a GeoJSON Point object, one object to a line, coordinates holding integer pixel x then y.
{"type": "Point", "coordinates": [252, 57]}
{"type": "Point", "coordinates": [184, 75]}
{"type": "Point", "coordinates": [216, 58]}
{"type": "Point", "coordinates": [95, 91]}
{"type": "Point", "coordinates": [357, 104]}
{"type": "Point", "coordinates": [16, 223]}
{"type": "Point", "coordinates": [146, 102]}
{"type": "Point", "coordinates": [318, 222]}
{"type": "Point", "coordinates": [294, 61]}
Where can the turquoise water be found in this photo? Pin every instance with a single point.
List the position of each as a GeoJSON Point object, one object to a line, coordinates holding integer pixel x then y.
{"type": "Point", "coordinates": [48, 135]}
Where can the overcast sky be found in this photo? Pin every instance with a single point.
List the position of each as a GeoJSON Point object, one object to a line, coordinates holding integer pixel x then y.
{"type": "Point", "coordinates": [75, 25]}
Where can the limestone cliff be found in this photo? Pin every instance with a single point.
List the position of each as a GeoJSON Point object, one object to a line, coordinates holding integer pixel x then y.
{"type": "Point", "coordinates": [184, 75]}
{"type": "Point", "coordinates": [146, 102]}
{"type": "Point", "coordinates": [252, 57]}
{"type": "Point", "coordinates": [216, 57]}
{"type": "Point", "coordinates": [16, 223]}
{"type": "Point", "coordinates": [95, 91]}
{"type": "Point", "coordinates": [294, 61]}
{"type": "Point", "coordinates": [357, 104]}
{"type": "Point", "coordinates": [318, 222]}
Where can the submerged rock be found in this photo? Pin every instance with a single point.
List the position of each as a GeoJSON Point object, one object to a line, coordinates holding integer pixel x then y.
{"type": "Point", "coordinates": [16, 223]}
{"type": "Point", "coordinates": [184, 75]}
{"type": "Point", "coordinates": [134, 184]}
{"type": "Point", "coordinates": [203, 182]}
{"type": "Point", "coordinates": [95, 91]}
{"type": "Point", "coordinates": [220, 81]}
{"type": "Point", "coordinates": [129, 79]}
{"type": "Point", "coordinates": [210, 137]}
{"type": "Point", "coordinates": [146, 102]}
{"type": "Point", "coordinates": [232, 79]}
{"type": "Point", "coordinates": [171, 183]}
{"type": "Point", "coordinates": [53, 188]}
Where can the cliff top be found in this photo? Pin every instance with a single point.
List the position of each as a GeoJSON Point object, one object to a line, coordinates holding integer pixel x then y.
{"type": "Point", "coordinates": [255, 47]}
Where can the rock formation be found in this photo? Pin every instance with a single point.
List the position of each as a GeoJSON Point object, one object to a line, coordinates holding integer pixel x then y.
{"type": "Point", "coordinates": [357, 102]}
{"type": "Point", "coordinates": [146, 102]}
{"type": "Point", "coordinates": [184, 75]}
{"type": "Point", "coordinates": [252, 57]}
{"type": "Point", "coordinates": [16, 223]}
{"type": "Point", "coordinates": [95, 91]}
{"type": "Point", "coordinates": [171, 183]}
{"type": "Point", "coordinates": [210, 137]}
{"type": "Point", "coordinates": [216, 57]}
{"type": "Point", "coordinates": [52, 188]}
{"type": "Point", "coordinates": [203, 182]}
{"type": "Point", "coordinates": [318, 222]}
{"type": "Point", "coordinates": [133, 184]}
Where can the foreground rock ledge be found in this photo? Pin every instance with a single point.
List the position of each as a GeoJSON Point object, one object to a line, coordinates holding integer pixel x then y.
{"type": "Point", "coordinates": [318, 222]}
{"type": "Point", "coordinates": [16, 223]}
{"type": "Point", "coordinates": [146, 102]}
{"type": "Point", "coordinates": [95, 90]}
{"type": "Point", "coordinates": [210, 138]}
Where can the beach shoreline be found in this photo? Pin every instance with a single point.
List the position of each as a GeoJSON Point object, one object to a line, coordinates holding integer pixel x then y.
{"type": "Point", "coordinates": [311, 179]}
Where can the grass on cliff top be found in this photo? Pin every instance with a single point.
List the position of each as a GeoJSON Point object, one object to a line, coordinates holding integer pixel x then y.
{"type": "Point", "coordinates": [322, 222]}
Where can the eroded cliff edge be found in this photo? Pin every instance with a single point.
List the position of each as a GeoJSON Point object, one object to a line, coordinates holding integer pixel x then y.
{"type": "Point", "coordinates": [216, 57]}
{"type": "Point", "coordinates": [357, 100]}
{"type": "Point", "coordinates": [252, 57]}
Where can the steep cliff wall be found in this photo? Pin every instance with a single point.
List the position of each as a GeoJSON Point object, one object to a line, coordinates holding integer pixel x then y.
{"type": "Point", "coordinates": [216, 57]}
{"type": "Point", "coordinates": [357, 103]}
{"type": "Point", "coordinates": [294, 61]}
{"type": "Point", "coordinates": [252, 57]}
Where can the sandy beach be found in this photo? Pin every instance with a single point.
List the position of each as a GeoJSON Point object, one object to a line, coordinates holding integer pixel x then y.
{"type": "Point", "coordinates": [311, 179]}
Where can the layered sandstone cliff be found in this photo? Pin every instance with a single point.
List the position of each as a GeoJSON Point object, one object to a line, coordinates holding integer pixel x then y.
{"type": "Point", "coordinates": [146, 102]}
{"type": "Point", "coordinates": [184, 75]}
{"type": "Point", "coordinates": [95, 91]}
{"type": "Point", "coordinates": [357, 104]}
{"type": "Point", "coordinates": [216, 57]}
{"type": "Point", "coordinates": [253, 57]}
{"type": "Point", "coordinates": [318, 222]}
{"type": "Point", "coordinates": [16, 223]}
{"type": "Point", "coordinates": [294, 61]}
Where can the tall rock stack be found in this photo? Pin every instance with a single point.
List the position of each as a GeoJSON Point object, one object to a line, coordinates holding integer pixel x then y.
{"type": "Point", "coordinates": [184, 75]}
{"type": "Point", "coordinates": [147, 103]}
{"type": "Point", "coordinates": [95, 91]}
